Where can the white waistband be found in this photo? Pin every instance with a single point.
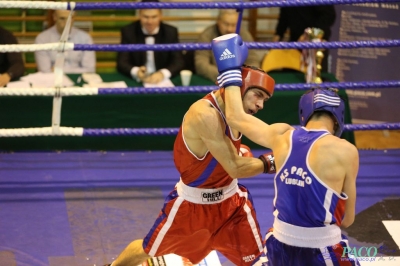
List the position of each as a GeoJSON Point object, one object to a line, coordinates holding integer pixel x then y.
{"type": "Point", "coordinates": [308, 237]}
{"type": "Point", "coordinates": [206, 195]}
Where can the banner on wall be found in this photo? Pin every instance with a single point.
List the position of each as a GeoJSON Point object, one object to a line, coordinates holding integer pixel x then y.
{"type": "Point", "coordinates": [363, 22]}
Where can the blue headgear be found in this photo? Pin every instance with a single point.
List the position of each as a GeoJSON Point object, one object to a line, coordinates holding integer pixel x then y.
{"type": "Point", "coordinates": [318, 99]}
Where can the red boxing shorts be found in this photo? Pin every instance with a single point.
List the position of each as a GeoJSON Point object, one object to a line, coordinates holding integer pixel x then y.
{"type": "Point", "coordinates": [195, 221]}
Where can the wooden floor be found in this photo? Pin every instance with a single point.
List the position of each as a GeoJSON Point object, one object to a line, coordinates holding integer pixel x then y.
{"type": "Point", "coordinates": [377, 139]}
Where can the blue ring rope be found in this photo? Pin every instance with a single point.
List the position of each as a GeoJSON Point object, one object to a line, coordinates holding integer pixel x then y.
{"type": "Point", "coordinates": [217, 5]}
{"type": "Point", "coordinates": [102, 132]}
{"type": "Point", "coordinates": [250, 45]}
{"type": "Point", "coordinates": [278, 87]}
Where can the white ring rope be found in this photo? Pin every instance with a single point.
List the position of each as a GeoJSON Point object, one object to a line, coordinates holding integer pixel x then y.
{"type": "Point", "coordinates": [41, 131]}
{"type": "Point", "coordinates": [36, 4]}
{"type": "Point", "coordinates": [56, 46]}
{"type": "Point", "coordinates": [69, 91]}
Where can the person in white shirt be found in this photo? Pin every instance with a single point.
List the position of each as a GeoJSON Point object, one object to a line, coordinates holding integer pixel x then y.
{"type": "Point", "coordinates": [75, 61]}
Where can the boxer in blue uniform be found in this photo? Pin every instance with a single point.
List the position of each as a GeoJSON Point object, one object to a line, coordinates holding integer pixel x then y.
{"type": "Point", "coordinates": [315, 183]}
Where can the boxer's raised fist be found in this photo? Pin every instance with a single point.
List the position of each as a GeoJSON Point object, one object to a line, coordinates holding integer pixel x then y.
{"type": "Point", "coordinates": [230, 52]}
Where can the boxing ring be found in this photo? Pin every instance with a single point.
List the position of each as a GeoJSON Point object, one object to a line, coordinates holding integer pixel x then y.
{"type": "Point", "coordinates": [83, 208]}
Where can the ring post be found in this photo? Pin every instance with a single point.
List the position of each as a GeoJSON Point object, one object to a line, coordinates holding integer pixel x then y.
{"type": "Point", "coordinates": [240, 10]}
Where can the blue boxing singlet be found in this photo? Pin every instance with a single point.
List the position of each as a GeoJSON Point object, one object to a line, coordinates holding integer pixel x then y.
{"type": "Point", "coordinates": [301, 198]}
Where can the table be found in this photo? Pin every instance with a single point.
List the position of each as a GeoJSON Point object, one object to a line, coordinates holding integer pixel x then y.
{"type": "Point", "coordinates": [130, 111]}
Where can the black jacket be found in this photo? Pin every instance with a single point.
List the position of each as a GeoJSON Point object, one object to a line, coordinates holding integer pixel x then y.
{"type": "Point", "coordinates": [297, 19]}
{"type": "Point", "coordinates": [10, 63]}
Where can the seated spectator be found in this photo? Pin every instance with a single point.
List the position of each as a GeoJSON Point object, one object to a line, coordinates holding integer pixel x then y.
{"type": "Point", "coordinates": [75, 61]}
{"type": "Point", "coordinates": [226, 23]}
{"type": "Point", "coordinates": [11, 64]}
{"type": "Point", "coordinates": [150, 66]}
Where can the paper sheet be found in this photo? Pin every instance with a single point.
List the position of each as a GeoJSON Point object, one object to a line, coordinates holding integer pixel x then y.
{"type": "Point", "coordinates": [115, 84]}
{"type": "Point", "coordinates": [91, 78]}
{"type": "Point", "coordinates": [18, 84]}
{"type": "Point", "coordinates": [45, 80]}
{"type": "Point", "coordinates": [163, 84]}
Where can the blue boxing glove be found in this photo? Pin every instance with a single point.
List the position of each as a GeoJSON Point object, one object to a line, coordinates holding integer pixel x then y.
{"type": "Point", "coordinates": [230, 53]}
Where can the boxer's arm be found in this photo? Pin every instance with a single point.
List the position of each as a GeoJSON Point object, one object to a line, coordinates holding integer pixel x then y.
{"type": "Point", "coordinates": [349, 158]}
{"type": "Point", "coordinates": [253, 128]}
{"type": "Point", "coordinates": [211, 128]}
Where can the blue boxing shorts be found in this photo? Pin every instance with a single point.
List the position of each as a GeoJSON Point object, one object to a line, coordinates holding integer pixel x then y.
{"type": "Point", "coordinates": [277, 253]}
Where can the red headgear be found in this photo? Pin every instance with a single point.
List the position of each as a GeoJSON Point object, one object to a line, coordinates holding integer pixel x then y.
{"type": "Point", "coordinates": [254, 78]}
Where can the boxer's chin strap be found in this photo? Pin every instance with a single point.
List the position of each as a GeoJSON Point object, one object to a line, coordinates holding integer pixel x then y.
{"type": "Point", "coordinates": [58, 76]}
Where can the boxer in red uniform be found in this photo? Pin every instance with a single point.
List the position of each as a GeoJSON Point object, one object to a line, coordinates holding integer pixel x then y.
{"type": "Point", "coordinates": [208, 210]}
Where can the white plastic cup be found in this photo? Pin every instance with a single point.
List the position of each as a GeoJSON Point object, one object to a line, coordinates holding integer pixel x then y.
{"type": "Point", "coordinates": [186, 75]}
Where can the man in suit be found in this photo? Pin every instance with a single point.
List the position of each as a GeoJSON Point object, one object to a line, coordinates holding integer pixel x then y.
{"type": "Point", "coordinates": [150, 66]}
